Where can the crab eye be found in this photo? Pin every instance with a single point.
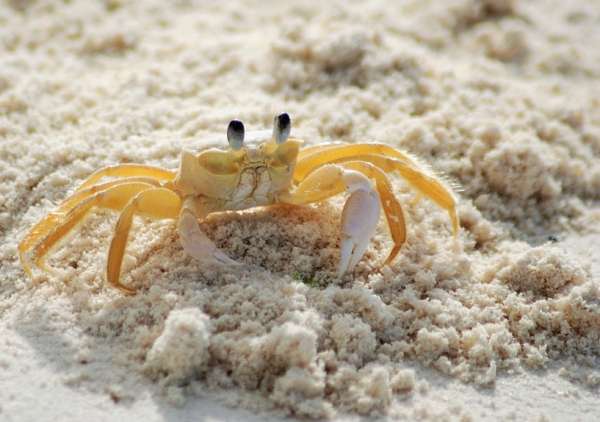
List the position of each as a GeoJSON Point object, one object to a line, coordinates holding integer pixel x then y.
{"type": "Point", "coordinates": [282, 127]}
{"type": "Point", "coordinates": [235, 134]}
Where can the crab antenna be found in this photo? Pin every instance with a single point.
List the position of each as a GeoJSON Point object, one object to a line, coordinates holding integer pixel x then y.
{"type": "Point", "coordinates": [282, 126]}
{"type": "Point", "coordinates": [235, 134]}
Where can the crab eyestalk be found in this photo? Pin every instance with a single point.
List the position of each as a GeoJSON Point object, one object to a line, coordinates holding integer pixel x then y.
{"type": "Point", "coordinates": [235, 134]}
{"type": "Point", "coordinates": [282, 126]}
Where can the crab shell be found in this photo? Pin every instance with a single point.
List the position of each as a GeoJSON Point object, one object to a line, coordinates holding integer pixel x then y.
{"type": "Point", "coordinates": [253, 175]}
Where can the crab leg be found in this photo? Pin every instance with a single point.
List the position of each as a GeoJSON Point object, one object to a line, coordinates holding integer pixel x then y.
{"type": "Point", "coordinates": [157, 203]}
{"type": "Point", "coordinates": [312, 157]}
{"type": "Point", "coordinates": [361, 210]}
{"type": "Point", "coordinates": [128, 170]}
{"type": "Point", "coordinates": [45, 225]}
{"type": "Point", "coordinates": [323, 183]}
{"type": "Point", "coordinates": [53, 228]}
{"type": "Point", "coordinates": [410, 170]}
{"type": "Point", "coordinates": [194, 241]}
{"type": "Point", "coordinates": [425, 184]}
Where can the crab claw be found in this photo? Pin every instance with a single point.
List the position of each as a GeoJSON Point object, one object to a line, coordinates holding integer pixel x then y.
{"type": "Point", "coordinates": [197, 244]}
{"type": "Point", "coordinates": [359, 219]}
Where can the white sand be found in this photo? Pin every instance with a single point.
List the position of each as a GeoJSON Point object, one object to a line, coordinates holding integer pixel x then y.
{"type": "Point", "coordinates": [501, 96]}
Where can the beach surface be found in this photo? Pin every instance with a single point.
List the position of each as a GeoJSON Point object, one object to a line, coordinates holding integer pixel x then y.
{"type": "Point", "coordinates": [500, 98]}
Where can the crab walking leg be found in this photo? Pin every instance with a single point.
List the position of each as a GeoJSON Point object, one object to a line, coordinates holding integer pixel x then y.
{"type": "Point", "coordinates": [323, 183]}
{"type": "Point", "coordinates": [313, 157]}
{"type": "Point", "coordinates": [59, 226]}
{"type": "Point", "coordinates": [391, 206]}
{"type": "Point", "coordinates": [360, 148]}
{"type": "Point", "coordinates": [128, 170]}
{"type": "Point", "coordinates": [158, 203]}
{"type": "Point", "coordinates": [194, 241]}
{"type": "Point", "coordinates": [314, 149]}
{"type": "Point", "coordinates": [418, 178]}
{"type": "Point", "coordinates": [361, 210]}
{"type": "Point", "coordinates": [46, 224]}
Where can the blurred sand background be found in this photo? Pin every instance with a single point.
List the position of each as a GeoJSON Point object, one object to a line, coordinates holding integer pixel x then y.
{"type": "Point", "coordinates": [500, 96]}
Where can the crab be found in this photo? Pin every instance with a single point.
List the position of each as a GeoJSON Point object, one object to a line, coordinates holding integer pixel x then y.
{"type": "Point", "coordinates": [258, 168]}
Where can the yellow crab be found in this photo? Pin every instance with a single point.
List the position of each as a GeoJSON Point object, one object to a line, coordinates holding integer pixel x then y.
{"type": "Point", "coordinates": [259, 168]}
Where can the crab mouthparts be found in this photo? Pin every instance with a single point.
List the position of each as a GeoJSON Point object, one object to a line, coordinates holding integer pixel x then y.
{"type": "Point", "coordinates": [255, 156]}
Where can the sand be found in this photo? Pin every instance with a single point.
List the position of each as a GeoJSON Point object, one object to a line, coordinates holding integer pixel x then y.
{"type": "Point", "coordinates": [500, 97]}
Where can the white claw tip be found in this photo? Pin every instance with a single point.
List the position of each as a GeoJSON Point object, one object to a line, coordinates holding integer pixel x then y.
{"type": "Point", "coordinates": [359, 222]}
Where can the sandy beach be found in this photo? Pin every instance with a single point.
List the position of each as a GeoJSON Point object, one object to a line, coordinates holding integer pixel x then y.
{"type": "Point", "coordinates": [500, 98]}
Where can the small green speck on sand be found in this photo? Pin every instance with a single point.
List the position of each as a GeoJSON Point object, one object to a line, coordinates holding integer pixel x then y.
{"type": "Point", "coordinates": [306, 279]}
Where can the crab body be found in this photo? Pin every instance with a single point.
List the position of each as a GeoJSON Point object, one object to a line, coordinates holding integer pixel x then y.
{"type": "Point", "coordinates": [252, 176]}
{"type": "Point", "coordinates": [257, 169]}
